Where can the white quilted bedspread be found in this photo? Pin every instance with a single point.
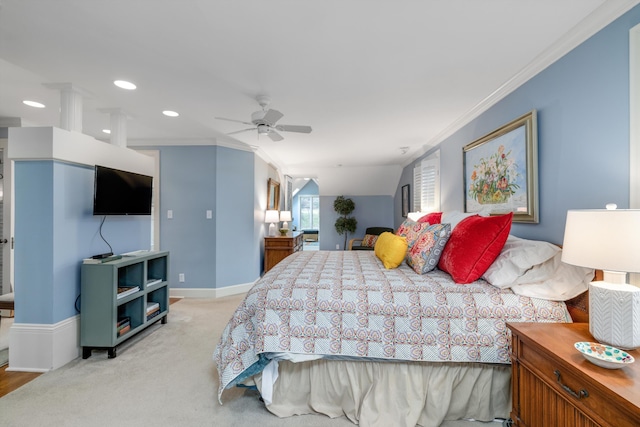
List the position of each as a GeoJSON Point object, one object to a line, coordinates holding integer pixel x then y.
{"type": "Point", "coordinates": [346, 304]}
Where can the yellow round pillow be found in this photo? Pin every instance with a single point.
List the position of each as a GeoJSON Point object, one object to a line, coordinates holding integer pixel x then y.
{"type": "Point", "coordinates": [391, 249]}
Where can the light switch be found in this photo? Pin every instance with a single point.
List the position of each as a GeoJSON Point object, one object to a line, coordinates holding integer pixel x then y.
{"type": "Point", "coordinates": [209, 214]}
{"type": "Point", "coordinates": [170, 214]}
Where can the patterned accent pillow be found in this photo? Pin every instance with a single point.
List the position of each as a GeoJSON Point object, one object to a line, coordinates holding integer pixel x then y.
{"type": "Point", "coordinates": [425, 253]}
{"type": "Point", "coordinates": [432, 218]}
{"type": "Point", "coordinates": [410, 230]}
{"type": "Point", "coordinates": [369, 240]}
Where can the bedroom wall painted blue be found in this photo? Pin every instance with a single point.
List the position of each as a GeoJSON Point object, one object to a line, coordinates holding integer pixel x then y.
{"type": "Point", "coordinates": [235, 188]}
{"type": "Point", "coordinates": [211, 253]}
{"type": "Point", "coordinates": [370, 211]}
{"type": "Point", "coordinates": [582, 101]}
{"type": "Point", "coordinates": [188, 189]}
{"type": "Point", "coordinates": [54, 229]}
{"type": "Point", "coordinates": [309, 189]}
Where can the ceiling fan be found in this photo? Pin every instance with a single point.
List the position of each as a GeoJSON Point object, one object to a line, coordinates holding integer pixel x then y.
{"type": "Point", "coordinates": [265, 122]}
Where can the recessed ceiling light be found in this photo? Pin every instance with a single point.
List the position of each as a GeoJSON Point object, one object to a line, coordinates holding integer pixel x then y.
{"type": "Point", "coordinates": [124, 84]}
{"type": "Point", "coordinates": [33, 104]}
{"type": "Point", "coordinates": [170, 113]}
{"type": "Point", "coordinates": [106, 130]}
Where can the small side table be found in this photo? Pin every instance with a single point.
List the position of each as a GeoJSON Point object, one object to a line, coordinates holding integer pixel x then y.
{"type": "Point", "coordinates": [553, 385]}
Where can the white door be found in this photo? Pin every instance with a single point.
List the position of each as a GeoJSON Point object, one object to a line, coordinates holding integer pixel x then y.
{"type": "Point", "coordinates": [6, 228]}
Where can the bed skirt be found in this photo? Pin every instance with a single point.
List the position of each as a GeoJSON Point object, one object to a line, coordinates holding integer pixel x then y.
{"type": "Point", "coordinates": [386, 394]}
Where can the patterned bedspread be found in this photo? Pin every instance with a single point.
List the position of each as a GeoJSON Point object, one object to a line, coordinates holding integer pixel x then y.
{"type": "Point", "coordinates": [346, 304]}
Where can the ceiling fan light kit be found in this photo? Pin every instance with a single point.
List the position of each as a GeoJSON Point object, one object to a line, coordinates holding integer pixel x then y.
{"type": "Point", "coordinates": [264, 122]}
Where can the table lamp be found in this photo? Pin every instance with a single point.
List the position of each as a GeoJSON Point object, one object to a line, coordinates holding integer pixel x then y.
{"type": "Point", "coordinates": [271, 217]}
{"type": "Point", "coordinates": [609, 240]}
{"type": "Point", "coordinates": [285, 216]}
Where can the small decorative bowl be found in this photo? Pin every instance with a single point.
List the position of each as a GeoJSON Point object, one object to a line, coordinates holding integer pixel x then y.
{"type": "Point", "coordinates": [603, 355]}
{"type": "Point", "coordinates": [284, 231]}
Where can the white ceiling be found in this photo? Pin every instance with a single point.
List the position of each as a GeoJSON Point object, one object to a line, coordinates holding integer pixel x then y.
{"type": "Point", "coordinates": [370, 77]}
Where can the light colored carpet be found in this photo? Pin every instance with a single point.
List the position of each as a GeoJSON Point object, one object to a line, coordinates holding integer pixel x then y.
{"type": "Point", "coordinates": [165, 376]}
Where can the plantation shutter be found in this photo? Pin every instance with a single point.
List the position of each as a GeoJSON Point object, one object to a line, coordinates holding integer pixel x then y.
{"type": "Point", "coordinates": [426, 182]}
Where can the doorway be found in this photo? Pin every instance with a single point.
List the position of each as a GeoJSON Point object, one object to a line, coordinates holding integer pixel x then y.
{"type": "Point", "coordinates": [306, 210]}
{"type": "Point", "coordinates": [6, 258]}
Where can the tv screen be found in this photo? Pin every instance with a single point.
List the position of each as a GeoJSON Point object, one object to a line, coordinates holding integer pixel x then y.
{"type": "Point", "coordinates": [118, 192]}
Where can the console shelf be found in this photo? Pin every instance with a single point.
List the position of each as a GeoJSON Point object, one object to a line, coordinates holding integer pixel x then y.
{"type": "Point", "coordinates": [121, 298]}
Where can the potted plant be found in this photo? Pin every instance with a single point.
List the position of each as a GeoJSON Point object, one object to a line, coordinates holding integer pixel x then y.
{"type": "Point", "coordinates": [345, 224]}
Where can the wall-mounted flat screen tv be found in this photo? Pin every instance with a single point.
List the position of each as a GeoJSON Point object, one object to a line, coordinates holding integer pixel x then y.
{"type": "Point", "coordinates": [117, 192]}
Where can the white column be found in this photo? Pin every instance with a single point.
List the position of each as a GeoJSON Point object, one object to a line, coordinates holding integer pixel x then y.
{"type": "Point", "coordinates": [70, 105]}
{"type": "Point", "coordinates": [118, 126]}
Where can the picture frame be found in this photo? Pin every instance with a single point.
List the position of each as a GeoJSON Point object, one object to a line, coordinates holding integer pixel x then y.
{"type": "Point", "coordinates": [288, 193]}
{"type": "Point", "coordinates": [501, 171]}
{"type": "Point", "coordinates": [405, 200]}
{"type": "Point", "coordinates": [273, 195]}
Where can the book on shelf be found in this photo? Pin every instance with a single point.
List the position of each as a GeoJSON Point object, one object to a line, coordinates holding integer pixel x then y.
{"type": "Point", "coordinates": [125, 325]}
{"type": "Point", "coordinates": [122, 321]}
{"type": "Point", "coordinates": [152, 282]}
{"type": "Point", "coordinates": [153, 314]}
{"type": "Point", "coordinates": [124, 330]}
{"type": "Point", "coordinates": [152, 306]}
{"type": "Point", "coordinates": [123, 291]}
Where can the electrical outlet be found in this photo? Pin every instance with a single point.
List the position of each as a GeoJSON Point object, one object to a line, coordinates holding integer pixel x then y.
{"type": "Point", "coordinates": [181, 277]}
{"type": "Point", "coordinates": [337, 246]}
{"type": "Point", "coordinates": [169, 214]}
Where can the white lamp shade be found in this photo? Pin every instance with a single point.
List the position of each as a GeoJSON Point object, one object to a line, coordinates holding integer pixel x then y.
{"type": "Point", "coordinates": [271, 216]}
{"type": "Point", "coordinates": [603, 239]}
{"type": "Point", "coordinates": [285, 216]}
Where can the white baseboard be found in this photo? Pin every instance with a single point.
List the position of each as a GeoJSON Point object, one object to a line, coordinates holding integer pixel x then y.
{"type": "Point", "coordinates": [210, 292]}
{"type": "Point", "coordinates": [42, 348]}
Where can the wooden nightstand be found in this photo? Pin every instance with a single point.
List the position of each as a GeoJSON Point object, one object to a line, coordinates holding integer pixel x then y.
{"type": "Point", "coordinates": [553, 385]}
{"type": "Point", "coordinates": [277, 248]}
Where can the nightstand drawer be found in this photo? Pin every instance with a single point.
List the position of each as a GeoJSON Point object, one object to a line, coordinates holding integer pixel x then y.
{"type": "Point", "coordinates": [554, 386]}
{"type": "Point", "coordinates": [567, 384]}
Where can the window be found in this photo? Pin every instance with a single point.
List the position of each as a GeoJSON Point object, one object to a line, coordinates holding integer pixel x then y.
{"type": "Point", "coordinates": [309, 212]}
{"type": "Point", "coordinates": [426, 184]}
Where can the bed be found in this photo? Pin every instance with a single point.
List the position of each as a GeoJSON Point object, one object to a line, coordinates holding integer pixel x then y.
{"type": "Point", "coordinates": [340, 334]}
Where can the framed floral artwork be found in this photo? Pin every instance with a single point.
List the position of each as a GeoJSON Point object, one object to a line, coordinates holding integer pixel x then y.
{"type": "Point", "coordinates": [501, 171]}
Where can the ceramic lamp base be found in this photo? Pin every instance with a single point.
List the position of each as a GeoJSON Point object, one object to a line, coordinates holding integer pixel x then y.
{"type": "Point", "coordinates": [614, 314]}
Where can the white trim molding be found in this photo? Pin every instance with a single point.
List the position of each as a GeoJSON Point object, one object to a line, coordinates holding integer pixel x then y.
{"type": "Point", "coordinates": [211, 292]}
{"type": "Point", "coordinates": [42, 348]}
{"type": "Point", "coordinates": [634, 127]}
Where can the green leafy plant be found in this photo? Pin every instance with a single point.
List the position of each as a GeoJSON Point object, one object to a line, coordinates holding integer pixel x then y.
{"type": "Point", "coordinates": [345, 224]}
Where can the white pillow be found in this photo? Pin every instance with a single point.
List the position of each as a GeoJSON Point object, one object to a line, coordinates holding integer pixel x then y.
{"type": "Point", "coordinates": [554, 280]}
{"type": "Point", "coordinates": [516, 258]}
{"type": "Point", "coordinates": [454, 217]}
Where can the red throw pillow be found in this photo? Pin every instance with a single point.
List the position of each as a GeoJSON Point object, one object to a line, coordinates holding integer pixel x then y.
{"type": "Point", "coordinates": [431, 218]}
{"type": "Point", "coordinates": [473, 246]}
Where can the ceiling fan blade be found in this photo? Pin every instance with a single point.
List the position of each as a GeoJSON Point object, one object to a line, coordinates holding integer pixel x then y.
{"type": "Point", "coordinates": [233, 120]}
{"type": "Point", "coordinates": [294, 128]}
{"type": "Point", "coordinates": [239, 131]}
{"type": "Point", "coordinates": [275, 136]}
{"type": "Point", "coordinates": [272, 116]}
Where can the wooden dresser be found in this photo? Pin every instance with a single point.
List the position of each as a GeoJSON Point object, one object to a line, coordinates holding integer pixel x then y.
{"type": "Point", "coordinates": [277, 248]}
{"type": "Point", "coordinates": [553, 385]}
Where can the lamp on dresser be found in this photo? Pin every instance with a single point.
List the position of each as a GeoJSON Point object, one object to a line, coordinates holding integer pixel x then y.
{"type": "Point", "coordinates": [609, 240]}
{"type": "Point", "coordinates": [271, 217]}
{"type": "Point", "coordinates": [285, 217]}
